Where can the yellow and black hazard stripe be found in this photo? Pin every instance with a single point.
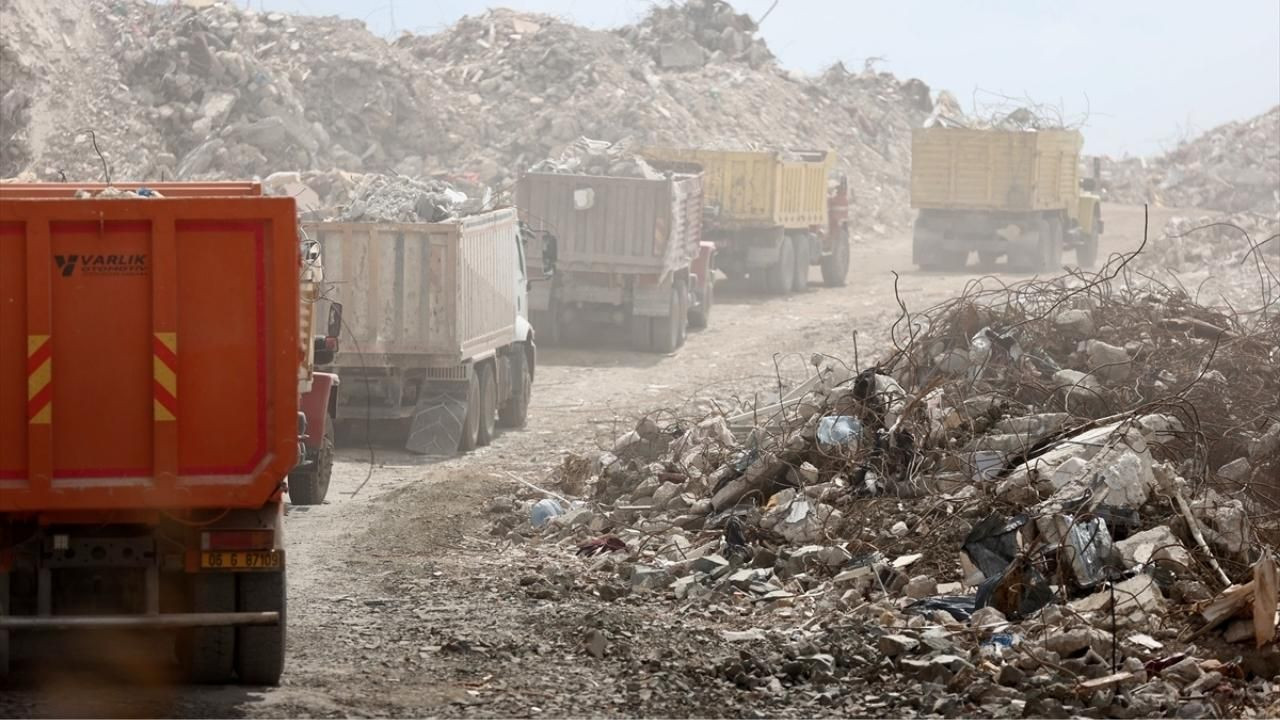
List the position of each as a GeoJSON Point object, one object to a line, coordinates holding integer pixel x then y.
{"type": "Point", "coordinates": [165, 387]}
{"type": "Point", "coordinates": [39, 379]}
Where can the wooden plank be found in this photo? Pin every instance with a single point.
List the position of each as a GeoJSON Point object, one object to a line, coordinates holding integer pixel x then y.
{"type": "Point", "coordinates": [1264, 600]}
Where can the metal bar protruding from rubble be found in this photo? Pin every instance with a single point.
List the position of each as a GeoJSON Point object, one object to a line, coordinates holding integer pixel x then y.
{"type": "Point", "coordinates": [137, 622]}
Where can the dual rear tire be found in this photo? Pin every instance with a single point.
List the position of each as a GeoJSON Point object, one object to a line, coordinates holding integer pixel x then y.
{"type": "Point", "coordinates": [251, 655]}
{"type": "Point", "coordinates": [664, 333]}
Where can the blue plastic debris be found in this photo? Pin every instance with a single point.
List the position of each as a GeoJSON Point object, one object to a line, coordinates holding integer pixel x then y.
{"type": "Point", "coordinates": [543, 511]}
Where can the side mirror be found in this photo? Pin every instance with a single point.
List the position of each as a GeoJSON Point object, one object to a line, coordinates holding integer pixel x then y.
{"type": "Point", "coordinates": [334, 329]}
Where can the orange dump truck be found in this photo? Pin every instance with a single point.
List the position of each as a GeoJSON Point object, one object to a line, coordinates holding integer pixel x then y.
{"type": "Point", "coordinates": [150, 368]}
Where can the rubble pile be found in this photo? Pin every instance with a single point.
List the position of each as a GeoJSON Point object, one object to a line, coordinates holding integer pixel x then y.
{"type": "Point", "coordinates": [1226, 243]}
{"type": "Point", "coordinates": [371, 197]}
{"type": "Point", "coordinates": [214, 91]}
{"type": "Point", "coordinates": [682, 37]}
{"type": "Point", "coordinates": [585, 156]}
{"type": "Point", "coordinates": [1050, 499]}
{"type": "Point", "coordinates": [1232, 168]}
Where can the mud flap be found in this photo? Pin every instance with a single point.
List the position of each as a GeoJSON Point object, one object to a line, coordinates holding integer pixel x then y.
{"type": "Point", "coordinates": [437, 424]}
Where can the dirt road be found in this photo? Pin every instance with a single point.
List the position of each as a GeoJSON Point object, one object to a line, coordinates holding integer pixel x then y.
{"type": "Point", "coordinates": [402, 604]}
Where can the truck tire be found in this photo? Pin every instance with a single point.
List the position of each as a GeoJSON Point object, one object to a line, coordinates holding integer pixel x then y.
{"type": "Point", "coordinates": [260, 650]}
{"type": "Point", "coordinates": [987, 259]}
{"type": "Point", "coordinates": [438, 421]}
{"type": "Point", "coordinates": [665, 331]}
{"type": "Point", "coordinates": [835, 267]}
{"type": "Point", "coordinates": [209, 652]}
{"type": "Point", "coordinates": [803, 245]}
{"type": "Point", "coordinates": [700, 317]}
{"type": "Point", "coordinates": [781, 275]}
{"type": "Point", "coordinates": [514, 413]}
{"type": "Point", "coordinates": [471, 421]}
{"type": "Point", "coordinates": [486, 423]}
{"type": "Point", "coordinates": [309, 487]}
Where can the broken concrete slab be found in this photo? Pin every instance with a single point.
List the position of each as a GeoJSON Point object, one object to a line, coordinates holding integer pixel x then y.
{"type": "Point", "coordinates": [1157, 543]}
{"type": "Point", "coordinates": [896, 645]}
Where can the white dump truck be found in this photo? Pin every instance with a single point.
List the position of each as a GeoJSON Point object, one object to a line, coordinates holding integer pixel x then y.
{"type": "Point", "coordinates": [438, 349]}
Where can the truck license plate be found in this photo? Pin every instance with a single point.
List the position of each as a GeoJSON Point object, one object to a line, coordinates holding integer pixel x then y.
{"type": "Point", "coordinates": [242, 560]}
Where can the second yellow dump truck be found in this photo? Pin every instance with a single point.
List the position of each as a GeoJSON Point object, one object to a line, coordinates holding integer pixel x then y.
{"type": "Point", "coordinates": [998, 192]}
{"type": "Point", "coordinates": [770, 213]}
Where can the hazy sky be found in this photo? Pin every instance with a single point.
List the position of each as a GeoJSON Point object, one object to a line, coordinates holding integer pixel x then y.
{"type": "Point", "coordinates": [1147, 72]}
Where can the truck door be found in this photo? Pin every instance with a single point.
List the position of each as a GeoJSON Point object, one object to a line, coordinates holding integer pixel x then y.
{"type": "Point", "coordinates": [522, 278]}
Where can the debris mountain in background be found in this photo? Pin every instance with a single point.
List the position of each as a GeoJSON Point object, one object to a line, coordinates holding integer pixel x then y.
{"type": "Point", "coordinates": [180, 92]}
{"type": "Point", "coordinates": [1233, 168]}
{"type": "Point", "coordinates": [1060, 494]}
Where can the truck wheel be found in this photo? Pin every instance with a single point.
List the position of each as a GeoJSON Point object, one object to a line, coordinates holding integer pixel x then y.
{"type": "Point", "coordinates": [260, 650]}
{"type": "Point", "coordinates": [438, 421]}
{"type": "Point", "coordinates": [987, 259]}
{"type": "Point", "coordinates": [310, 486]}
{"type": "Point", "coordinates": [514, 413]}
{"type": "Point", "coordinates": [835, 267]}
{"type": "Point", "coordinates": [782, 274]}
{"type": "Point", "coordinates": [471, 422]}
{"type": "Point", "coordinates": [700, 316]}
{"type": "Point", "coordinates": [665, 331]}
{"type": "Point", "coordinates": [209, 653]}
{"type": "Point", "coordinates": [803, 245]}
{"type": "Point", "coordinates": [486, 427]}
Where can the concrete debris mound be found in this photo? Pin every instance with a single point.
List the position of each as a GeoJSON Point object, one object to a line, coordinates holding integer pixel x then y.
{"type": "Point", "coordinates": [1229, 243]}
{"type": "Point", "coordinates": [1056, 498]}
{"type": "Point", "coordinates": [689, 35]}
{"type": "Point", "coordinates": [585, 156]}
{"type": "Point", "coordinates": [369, 197]}
{"type": "Point", "coordinates": [213, 91]}
{"type": "Point", "coordinates": [1232, 168]}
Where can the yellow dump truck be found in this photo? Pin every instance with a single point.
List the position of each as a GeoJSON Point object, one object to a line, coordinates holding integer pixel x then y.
{"type": "Point", "coordinates": [770, 214]}
{"type": "Point", "coordinates": [997, 192]}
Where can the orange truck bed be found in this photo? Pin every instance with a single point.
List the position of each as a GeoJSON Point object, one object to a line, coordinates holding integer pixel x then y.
{"type": "Point", "coordinates": [149, 348]}
{"type": "Point", "coordinates": [150, 365]}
